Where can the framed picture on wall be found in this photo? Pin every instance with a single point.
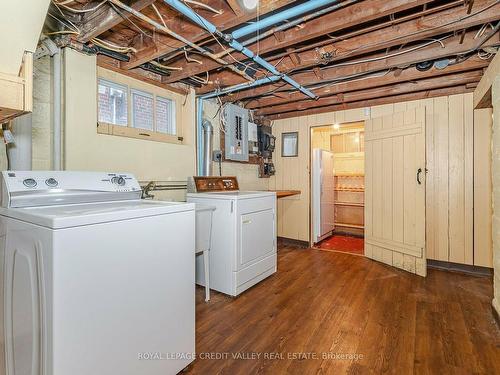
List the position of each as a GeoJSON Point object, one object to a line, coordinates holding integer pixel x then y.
{"type": "Point", "coordinates": [290, 144]}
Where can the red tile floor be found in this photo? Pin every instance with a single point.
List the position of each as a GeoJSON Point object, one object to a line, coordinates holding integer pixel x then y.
{"type": "Point", "coordinates": [346, 244]}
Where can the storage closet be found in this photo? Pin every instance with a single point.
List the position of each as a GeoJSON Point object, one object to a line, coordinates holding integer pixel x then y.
{"type": "Point", "coordinates": [346, 142]}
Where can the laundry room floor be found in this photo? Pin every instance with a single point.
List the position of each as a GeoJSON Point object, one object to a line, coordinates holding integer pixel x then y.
{"type": "Point", "coordinates": [346, 244]}
{"type": "Point", "coordinates": [329, 312]}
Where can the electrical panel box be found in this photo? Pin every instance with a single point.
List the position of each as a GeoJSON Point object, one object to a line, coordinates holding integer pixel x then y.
{"type": "Point", "coordinates": [236, 128]}
{"type": "Point", "coordinates": [253, 138]}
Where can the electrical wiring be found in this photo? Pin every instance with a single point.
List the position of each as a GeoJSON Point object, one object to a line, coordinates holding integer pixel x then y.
{"type": "Point", "coordinates": [75, 29]}
{"type": "Point", "coordinates": [62, 32]}
{"type": "Point", "coordinates": [393, 54]}
{"type": "Point", "coordinates": [173, 34]}
{"type": "Point", "coordinates": [200, 80]}
{"type": "Point", "coordinates": [166, 67]}
{"type": "Point", "coordinates": [224, 48]}
{"type": "Point", "coordinates": [205, 6]}
{"type": "Point", "coordinates": [482, 30]}
{"type": "Point", "coordinates": [73, 10]}
{"type": "Point", "coordinates": [159, 14]}
{"type": "Point", "coordinates": [112, 46]}
{"type": "Point", "coordinates": [190, 59]}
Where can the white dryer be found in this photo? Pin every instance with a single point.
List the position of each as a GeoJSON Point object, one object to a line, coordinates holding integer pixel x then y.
{"type": "Point", "coordinates": [243, 234]}
{"type": "Point", "coordinates": [94, 279]}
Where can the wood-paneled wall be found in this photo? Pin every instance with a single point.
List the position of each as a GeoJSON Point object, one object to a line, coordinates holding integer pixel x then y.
{"type": "Point", "coordinates": [482, 187]}
{"type": "Point", "coordinates": [450, 191]}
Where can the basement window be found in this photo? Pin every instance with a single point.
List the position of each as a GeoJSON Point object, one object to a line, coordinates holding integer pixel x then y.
{"type": "Point", "coordinates": [112, 99]}
{"type": "Point", "coordinates": [165, 116]}
{"type": "Point", "coordinates": [142, 110]}
{"type": "Point", "coordinates": [134, 109]}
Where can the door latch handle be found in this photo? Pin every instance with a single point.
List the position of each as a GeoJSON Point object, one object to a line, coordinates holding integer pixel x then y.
{"type": "Point", "coordinates": [418, 176]}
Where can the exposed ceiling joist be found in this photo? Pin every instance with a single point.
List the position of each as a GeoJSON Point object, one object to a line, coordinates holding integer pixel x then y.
{"type": "Point", "coordinates": [461, 89]}
{"type": "Point", "coordinates": [373, 63]}
{"type": "Point", "coordinates": [343, 18]}
{"type": "Point", "coordinates": [165, 44]}
{"type": "Point", "coordinates": [377, 92]}
{"type": "Point", "coordinates": [383, 78]}
{"type": "Point", "coordinates": [105, 18]}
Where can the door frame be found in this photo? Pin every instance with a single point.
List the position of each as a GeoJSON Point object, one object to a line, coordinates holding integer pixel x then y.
{"type": "Point", "coordinates": [310, 134]}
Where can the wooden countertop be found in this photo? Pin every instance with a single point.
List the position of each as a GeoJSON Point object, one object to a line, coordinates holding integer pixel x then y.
{"type": "Point", "coordinates": [286, 193]}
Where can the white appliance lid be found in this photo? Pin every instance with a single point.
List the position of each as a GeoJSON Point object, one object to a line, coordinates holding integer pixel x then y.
{"type": "Point", "coordinates": [66, 216]}
{"type": "Point", "coordinates": [44, 188]}
{"type": "Point", "coordinates": [232, 194]}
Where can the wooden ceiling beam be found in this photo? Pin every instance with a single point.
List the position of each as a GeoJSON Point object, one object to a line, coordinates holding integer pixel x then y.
{"type": "Point", "coordinates": [404, 33]}
{"type": "Point", "coordinates": [378, 62]}
{"type": "Point", "coordinates": [394, 77]}
{"type": "Point", "coordinates": [377, 92]}
{"type": "Point", "coordinates": [408, 32]}
{"type": "Point", "coordinates": [343, 18]}
{"type": "Point", "coordinates": [235, 7]}
{"type": "Point", "coordinates": [105, 18]}
{"type": "Point", "coordinates": [166, 44]}
{"type": "Point", "coordinates": [452, 90]}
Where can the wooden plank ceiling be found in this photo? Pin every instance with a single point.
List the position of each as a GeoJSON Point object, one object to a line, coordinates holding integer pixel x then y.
{"type": "Point", "coordinates": [366, 52]}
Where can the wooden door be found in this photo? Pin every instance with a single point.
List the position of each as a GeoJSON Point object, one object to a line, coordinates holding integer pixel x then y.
{"type": "Point", "coordinates": [395, 190]}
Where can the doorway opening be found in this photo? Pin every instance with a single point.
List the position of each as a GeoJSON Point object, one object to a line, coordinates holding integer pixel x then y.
{"type": "Point", "coordinates": [338, 187]}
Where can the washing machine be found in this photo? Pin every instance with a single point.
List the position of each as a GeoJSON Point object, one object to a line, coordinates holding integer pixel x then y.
{"type": "Point", "coordinates": [94, 280]}
{"type": "Point", "coordinates": [243, 249]}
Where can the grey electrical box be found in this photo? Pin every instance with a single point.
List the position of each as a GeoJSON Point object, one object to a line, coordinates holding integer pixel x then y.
{"type": "Point", "coordinates": [236, 127]}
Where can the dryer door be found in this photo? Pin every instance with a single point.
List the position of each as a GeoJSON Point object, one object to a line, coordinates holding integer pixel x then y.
{"type": "Point", "coordinates": [257, 236]}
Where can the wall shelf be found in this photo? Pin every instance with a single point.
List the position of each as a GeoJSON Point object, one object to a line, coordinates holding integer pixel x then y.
{"type": "Point", "coordinates": [349, 203]}
{"type": "Point", "coordinates": [347, 225]}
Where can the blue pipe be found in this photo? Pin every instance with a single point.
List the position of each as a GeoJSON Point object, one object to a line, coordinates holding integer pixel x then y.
{"type": "Point", "coordinates": [259, 60]}
{"type": "Point", "coordinates": [266, 22]}
{"type": "Point", "coordinates": [281, 16]}
{"type": "Point", "coordinates": [193, 16]}
{"type": "Point", "coordinates": [241, 86]}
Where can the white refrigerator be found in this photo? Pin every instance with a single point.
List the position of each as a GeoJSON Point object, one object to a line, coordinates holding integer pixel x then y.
{"type": "Point", "coordinates": [323, 194]}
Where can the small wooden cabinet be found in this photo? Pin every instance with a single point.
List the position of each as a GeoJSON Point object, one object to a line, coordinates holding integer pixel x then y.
{"type": "Point", "coordinates": [16, 92]}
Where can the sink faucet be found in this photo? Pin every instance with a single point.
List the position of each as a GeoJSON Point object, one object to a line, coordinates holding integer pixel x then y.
{"type": "Point", "coordinates": [146, 190]}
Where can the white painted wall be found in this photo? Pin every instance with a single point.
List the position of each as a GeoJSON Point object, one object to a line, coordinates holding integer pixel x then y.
{"type": "Point", "coordinates": [85, 149]}
{"type": "Point", "coordinates": [21, 22]}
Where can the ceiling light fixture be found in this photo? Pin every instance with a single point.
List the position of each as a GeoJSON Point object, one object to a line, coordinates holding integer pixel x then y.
{"type": "Point", "coordinates": [250, 4]}
{"type": "Point", "coordinates": [336, 126]}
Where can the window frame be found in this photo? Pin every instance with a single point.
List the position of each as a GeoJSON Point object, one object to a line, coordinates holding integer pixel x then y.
{"type": "Point", "coordinates": [116, 86]}
{"type": "Point", "coordinates": [133, 85]}
{"type": "Point", "coordinates": [173, 115]}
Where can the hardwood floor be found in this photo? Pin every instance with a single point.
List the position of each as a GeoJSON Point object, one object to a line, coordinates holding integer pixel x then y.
{"type": "Point", "coordinates": [380, 319]}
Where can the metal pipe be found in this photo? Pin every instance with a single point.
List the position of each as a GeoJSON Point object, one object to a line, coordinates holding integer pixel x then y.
{"type": "Point", "coordinates": [199, 114]}
{"type": "Point", "coordinates": [199, 135]}
{"type": "Point", "coordinates": [284, 15]}
{"type": "Point", "coordinates": [290, 24]}
{"type": "Point", "coordinates": [180, 37]}
{"type": "Point", "coordinates": [55, 53]}
{"type": "Point", "coordinates": [197, 19]}
{"type": "Point", "coordinates": [208, 132]}
{"type": "Point", "coordinates": [241, 86]}
{"type": "Point", "coordinates": [271, 68]}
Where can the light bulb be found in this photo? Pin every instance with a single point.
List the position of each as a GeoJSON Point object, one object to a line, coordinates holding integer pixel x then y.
{"type": "Point", "coordinates": [336, 126]}
{"type": "Point", "coordinates": [250, 4]}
